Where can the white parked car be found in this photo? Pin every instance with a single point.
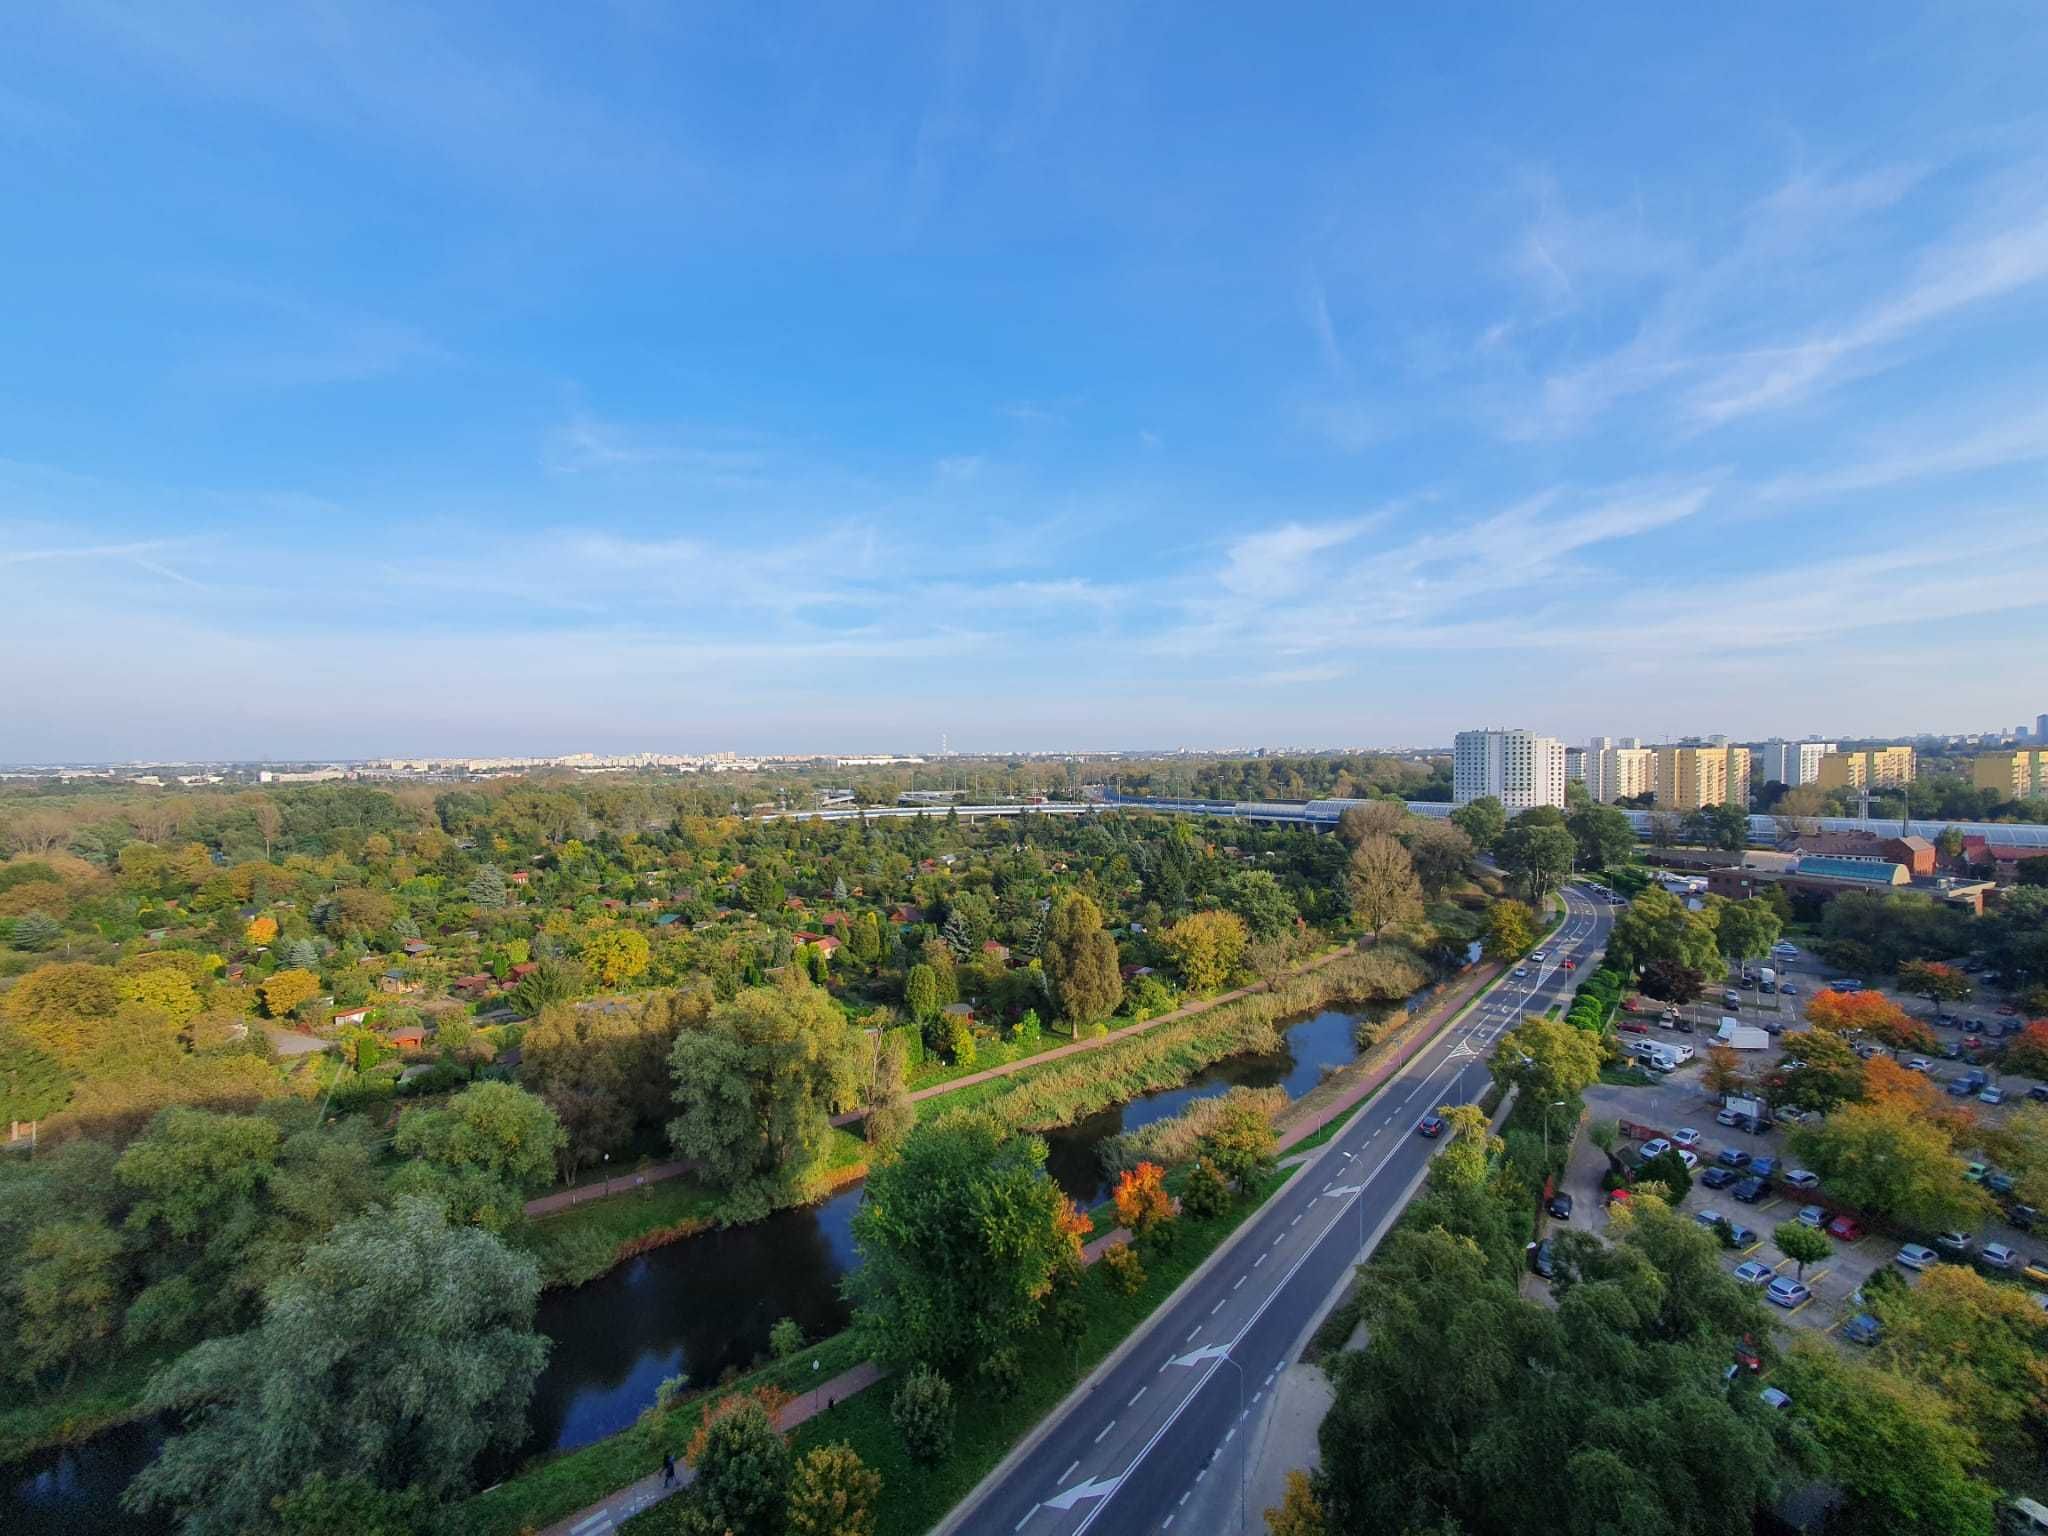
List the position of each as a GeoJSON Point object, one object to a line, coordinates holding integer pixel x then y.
{"type": "Point", "coordinates": [1998, 1256]}
{"type": "Point", "coordinates": [1690, 1159]}
{"type": "Point", "coordinates": [1991, 1095]}
{"type": "Point", "coordinates": [1540, 956]}
{"type": "Point", "coordinates": [1685, 1136]}
{"type": "Point", "coordinates": [1919, 1064]}
{"type": "Point", "coordinates": [1917, 1256]}
{"type": "Point", "coordinates": [1655, 1148]}
{"type": "Point", "coordinates": [1812, 1216]}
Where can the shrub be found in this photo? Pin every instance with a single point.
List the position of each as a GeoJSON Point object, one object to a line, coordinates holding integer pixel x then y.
{"type": "Point", "coordinates": [785, 1338]}
{"type": "Point", "coordinates": [833, 1494]}
{"type": "Point", "coordinates": [1205, 1192]}
{"type": "Point", "coordinates": [922, 1412]}
{"type": "Point", "coordinates": [1123, 1269]}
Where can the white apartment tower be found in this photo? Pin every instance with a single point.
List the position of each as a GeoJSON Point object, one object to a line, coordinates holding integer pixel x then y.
{"type": "Point", "coordinates": [1619, 770]}
{"type": "Point", "coordinates": [1791, 763]}
{"type": "Point", "coordinates": [1518, 768]}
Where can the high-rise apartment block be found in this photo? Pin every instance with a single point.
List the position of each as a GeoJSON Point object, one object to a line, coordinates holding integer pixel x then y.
{"type": "Point", "coordinates": [1518, 768]}
{"type": "Point", "coordinates": [1619, 772]}
{"type": "Point", "coordinates": [1876, 768]}
{"type": "Point", "coordinates": [1575, 765]}
{"type": "Point", "coordinates": [1791, 762]}
{"type": "Point", "coordinates": [1691, 778]}
{"type": "Point", "coordinates": [2014, 775]}
{"type": "Point", "coordinates": [2041, 727]}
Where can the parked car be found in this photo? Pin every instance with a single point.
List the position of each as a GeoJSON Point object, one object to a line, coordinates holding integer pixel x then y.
{"type": "Point", "coordinates": [2038, 1093]}
{"type": "Point", "coordinates": [1731, 999]}
{"type": "Point", "coordinates": [1998, 1256]}
{"type": "Point", "coordinates": [1718, 1178]}
{"type": "Point", "coordinates": [1691, 1160]}
{"type": "Point", "coordinates": [1656, 1146]}
{"type": "Point", "coordinates": [1789, 988]}
{"type": "Point", "coordinates": [1802, 1178]}
{"type": "Point", "coordinates": [1991, 1095]}
{"type": "Point", "coordinates": [1708, 1219]}
{"type": "Point", "coordinates": [2021, 1216]}
{"type": "Point", "coordinates": [1973, 1173]}
{"type": "Point", "coordinates": [1846, 984]}
{"type": "Point", "coordinates": [1685, 1136]}
{"type": "Point", "coordinates": [1732, 1157]}
{"type": "Point", "coordinates": [1862, 1329]}
{"type": "Point", "coordinates": [1787, 1292]}
{"type": "Point", "coordinates": [1957, 1243]}
{"type": "Point", "coordinates": [1432, 1126]}
{"type": "Point", "coordinates": [1743, 1237]}
{"type": "Point", "coordinates": [1541, 1259]}
{"type": "Point", "coordinates": [1916, 1256]}
{"type": "Point", "coordinates": [1846, 1229]}
{"type": "Point", "coordinates": [1729, 1117]}
{"type": "Point", "coordinates": [1763, 1167]}
{"type": "Point", "coordinates": [1919, 1064]}
{"type": "Point", "coordinates": [1750, 1272]}
{"type": "Point", "coordinates": [1771, 1397]}
{"type": "Point", "coordinates": [1561, 1206]}
{"type": "Point", "coordinates": [1998, 1183]}
{"type": "Point", "coordinates": [1751, 1190]}
{"type": "Point", "coordinates": [1812, 1216]}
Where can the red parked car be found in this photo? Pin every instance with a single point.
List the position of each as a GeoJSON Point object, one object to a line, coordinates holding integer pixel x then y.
{"type": "Point", "coordinates": [1847, 1228]}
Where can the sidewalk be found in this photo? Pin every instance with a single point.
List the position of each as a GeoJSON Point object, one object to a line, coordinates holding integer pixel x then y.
{"type": "Point", "coordinates": [613, 1511]}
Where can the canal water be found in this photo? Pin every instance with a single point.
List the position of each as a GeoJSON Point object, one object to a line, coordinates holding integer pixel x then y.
{"type": "Point", "coordinates": [697, 1307]}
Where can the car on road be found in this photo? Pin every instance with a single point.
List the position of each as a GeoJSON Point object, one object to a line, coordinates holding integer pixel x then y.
{"type": "Point", "coordinates": [1432, 1126]}
{"type": "Point", "coordinates": [1656, 1146]}
{"type": "Point", "coordinates": [1862, 1329]}
{"type": "Point", "coordinates": [1812, 1216]}
{"type": "Point", "coordinates": [1789, 988]}
{"type": "Point", "coordinates": [1731, 998]}
{"type": "Point", "coordinates": [1846, 984]}
{"type": "Point", "coordinates": [1570, 965]}
{"type": "Point", "coordinates": [1561, 1206]}
{"type": "Point", "coordinates": [1998, 1256]}
{"type": "Point", "coordinates": [1540, 956]}
{"type": "Point", "coordinates": [1729, 1117]}
{"type": "Point", "coordinates": [1802, 1178]}
{"type": "Point", "coordinates": [1750, 1272]}
{"type": "Point", "coordinates": [1916, 1256]}
{"type": "Point", "coordinates": [1957, 1243]}
{"type": "Point", "coordinates": [1732, 1157]}
{"type": "Point", "coordinates": [1752, 1189]}
{"type": "Point", "coordinates": [1718, 1178]}
{"type": "Point", "coordinates": [1846, 1229]}
{"type": "Point", "coordinates": [1685, 1136]}
{"type": "Point", "coordinates": [1521, 970]}
{"type": "Point", "coordinates": [1787, 1292]}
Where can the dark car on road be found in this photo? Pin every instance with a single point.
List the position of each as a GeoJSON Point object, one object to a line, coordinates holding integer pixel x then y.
{"type": "Point", "coordinates": [1561, 1206]}
{"type": "Point", "coordinates": [1733, 1157]}
{"type": "Point", "coordinates": [1540, 1259]}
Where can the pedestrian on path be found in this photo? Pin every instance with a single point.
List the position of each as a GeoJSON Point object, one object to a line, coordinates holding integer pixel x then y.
{"type": "Point", "coordinates": [668, 1469]}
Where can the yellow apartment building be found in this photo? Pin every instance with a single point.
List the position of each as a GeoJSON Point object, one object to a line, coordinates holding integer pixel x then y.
{"type": "Point", "coordinates": [1689, 778]}
{"type": "Point", "coordinates": [1876, 768]}
{"type": "Point", "coordinates": [2015, 775]}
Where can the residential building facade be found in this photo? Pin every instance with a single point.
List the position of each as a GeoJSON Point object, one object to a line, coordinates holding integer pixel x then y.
{"type": "Point", "coordinates": [1617, 773]}
{"type": "Point", "coordinates": [1877, 767]}
{"type": "Point", "coordinates": [2015, 775]}
{"type": "Point", "coordinates": [1691, 778]}
{"type": "Point", "coordinates": [1519, 768]}
{"type": "Point", "coordinates": [1791, 763]}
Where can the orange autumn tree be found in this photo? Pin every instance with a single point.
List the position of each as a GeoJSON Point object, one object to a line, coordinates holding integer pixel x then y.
{"type": "Point", "coordinates": [1142, 1203]}
{"type": "Point", "coordinates": [1074, 1228]}
{"type": "Point", "coordinates": [1873, 1013]}
{"type": "Point", "coordinates": [261, 930]}
{"type": "Point", "coordinates": [772, 1399]}
{"type": "Point", "coordinates": [1886, 1082]}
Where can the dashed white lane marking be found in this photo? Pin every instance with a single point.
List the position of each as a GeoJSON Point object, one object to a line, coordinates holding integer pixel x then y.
{"type": "Point", "coordinates": [1231, 1436]}
{"type": "Point", "coordinates": [1219, 1305]}
{"type": "Point", "coordinates": [1257, 1395]}
{"type": "Point", "coordinates": [1190, 1338]}
{"type": "Point", "coordinates": [1185, 1497]}
{"type": "Point", "coordinates": [1258, 1261]}
{"type": "Point", "coordinates": [1069, 1472]}
{"type": "Point", "coordinates": [1105, 1430]}
{"type": "Point", "coordinates": [1134, 1398]}
{"type": "Point", "coordinates": [1240, 1281]}
{"type": "Point", "coordinates": [1027, 1515]}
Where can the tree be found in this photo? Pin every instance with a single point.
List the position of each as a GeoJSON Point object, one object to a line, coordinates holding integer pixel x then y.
{"type": "Point", "coordinates": [398, 1350]}
{"type": "Point", "coordinates": [1724, 1074]}
{"type": "Point", "coordinates": [1142, 1203]}
{"type": "Point", "coordinates": [1897, 1449]}
{"type": "Point", "coordinates": [959, 1238]}
{"type": "Point", "coordinates": [1658, 926]}
{"type": "Point", "coordinates": [1471, 1152]}
{"type": "Point", "coordinates": [1934, 981]}
{"type": "Point", "coordinates": [1819, 1072]}
{"type": "Point", "coordinates": [1871, 1012]}
{"type": "Point", "coordinates": [496, 1129]}
{"type": "Point", "coordinates": [1240, 1143]}
{"type": "Point", "coordinates": [743, 1475]}
{"type": "Point", "coordinates": [2021, 1146]}
{"type": "Point", "coordinates": [487, 888]}
{"type": "Point", "coordinates": [69, 1294]}
{"type": "Point", "coordinates": [1300, 1512]}
{"type": "Point", "coordinates": [33, 1084]}
{"type": "Point", "coordinates": [1382, 882]}
{"type": "Point", "coordinates": [1548, 1060]}
{"type": "Point", "coordinates": [1603, 835]}
{"type": "Point", "coordinates": [1441, 854]}
{"type": "Point", "coordinates": [1207, 947]}
{"type": "Point", "coordinates": [1483, 820]}
{"type": "Point", "coordinates": [756, 1084]}
{"type": "Point", "coordinates": [1081, 961]}
{"type": "Point", "coordinates": [617, 955]}
{"type": "Point", "coordinates": [890, 1112]}
{"type": "Point", "coordinates": [832, 1493]}
{"type": "Point", "coordinates": [260, 931]}
{"type": "Point", "coordinates": [286, 991]}
{"type": "Point", "coordinates": [1375, 818]}
{"type": "Point", "coordinates": [785, 1338]}
{"type": "Point", "coordinates": [921, 993]}
{"type": "Point", "coordinates": [1802, 1244]}
{"type": "Point", "coordinates": [35, 931]}
{"type": "Point", "coordinates": [2026, 1053]}
{"type": "Point", "coordinates": [322, 1505]}
{"type": "Point", "coordinates": [195, 1172]}
{"type": "Point", "coordinates": [1888, 1160]}
{"type": "Point", "coordinates": [1668, 1169]}
{"type": "Point", "coordinates": [922, 1411]}
{"type": "Point", "coordinates": [1673, 981]}
{"type": "Point", "coordinates": [1254, 895]}
{"type": "Point", "coordinates": [50, 995]}
{"type": "Point", "coordinates": [550, 982]}
{"type": "Point", "coordinates": [1510, 930]}
{"type": "Point", "coordinates": [1205, 1192]}
{"type": "Point", "coordinates": [1539, 855]}
{"type": "Point", "coordinates": [1746, 930]}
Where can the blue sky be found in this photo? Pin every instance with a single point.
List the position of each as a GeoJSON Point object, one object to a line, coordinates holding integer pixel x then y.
{"type": "Point", "coordinates": [405, 379]}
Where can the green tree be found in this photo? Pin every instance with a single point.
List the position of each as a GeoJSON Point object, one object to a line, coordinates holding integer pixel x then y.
{"type": "Point", "coordinates": [69, 1287]}
{"type": "Point", "coordinates": [1538, 854]}
{"type": "Point", "coordinates": [833, 1493]}
{"type": "Point", "coordinates": [890, 1112]}
{"type": "Point", "coordinates": [1668, 1169]}
{"type": "Point", "coordinates": [1483, 820]}
{"type": "Point", "coordinates": [1802, 1244]}
{"type": "Point", "coordinates": [1510, 930]}
{"type": "Point", "coordinates": [487, 887]}
{"type": "Point", "coordinates": [195, 1173]}
{"type": "Point", "coordinates": [33, 1084]}
{"type": "Point", "coordinates": [616, 955]}
{"type": "Point", "coordinates": [1892, 1161]}
{"type": "Point", "coordinates": [959, 1238]}
{"type": "Point", "coordinates": [785, 1338]}
{"type": "Point", "coordinates": [1746, 930]}
{"type": "Point", "coordinates": [1658, 926]}
{"type": "Point", "coordinates": [397, 1351]}
{"type": "Point", "coordinates": [493, 1128]}
{"type": "Point", "coordinates": [1255, 896]}
{"type": "Point", "coordinates": [1603, 835]}
{"type": "Point", "coordinates": [286, 991]}
{"type": "Point", "coordinates": [1819, 1072]}
{"type": "Point", "coordinates": [756, 1085]}
{"type": "Point", "coordinates": [1207, 947]}
{"type": "Point", "coordinates": [922, 1411]}
{"type": "Point", "coordinates": [323, 1505]}
{"type": "Point", "coordinates": [1673, 981]}
{"type": "Point", "coordinates": [1548, 1060]}
{"type": "Point", "coordinates": [1381, 880]}
{"type": "Point", "coordinates": [1240, 1143]}
{"type": "Point", "coordinates": [1081, 961]}
{"type": "Point", "coordinates": [743, 1475]}
{"type": "Point", "coordinates": [1441, 854]}
{"type": "Point", "coordinates": [921, 993]}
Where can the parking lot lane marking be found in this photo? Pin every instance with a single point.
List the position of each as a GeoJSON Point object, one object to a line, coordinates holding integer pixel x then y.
{"type": "Point", "coordinates": [1068, 1473]}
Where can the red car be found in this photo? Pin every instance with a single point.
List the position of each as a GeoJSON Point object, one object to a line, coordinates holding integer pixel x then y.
{"type": "Point", "coordinates": [1847, 1228]}
{"type": "Point", "coordinates": [1634, 1027]}
{"type": "Point", "coordinates": [1746, 1355]}
{"type": "Point", "coordinates": [1432, 1126]}
{"type": "Point", "coordinates": [1571, 965]}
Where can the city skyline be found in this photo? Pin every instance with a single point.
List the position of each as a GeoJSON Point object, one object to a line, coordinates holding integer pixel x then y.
{"type": "Point", "coordinates": [402, 382]}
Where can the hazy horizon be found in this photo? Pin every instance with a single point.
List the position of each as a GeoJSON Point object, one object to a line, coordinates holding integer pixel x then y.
{"type": "Point", "coordinates": [385, 382]}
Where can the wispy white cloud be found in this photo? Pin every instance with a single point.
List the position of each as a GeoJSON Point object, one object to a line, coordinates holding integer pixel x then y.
{"type": "Point", "coordinates": [1919, 453]}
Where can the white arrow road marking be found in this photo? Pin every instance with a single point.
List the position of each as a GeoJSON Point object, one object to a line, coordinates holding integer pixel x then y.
{"type": "Point", "coordinates": [1197, 1356]}
{"type": "Point", "coordinates": [1095, 1488]}
{"type": "Point", "coordinates": [1337, 1190]}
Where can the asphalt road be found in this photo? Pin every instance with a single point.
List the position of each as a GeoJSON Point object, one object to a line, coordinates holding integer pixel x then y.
{"type": "Point", "coordinates": [1166, 1424]}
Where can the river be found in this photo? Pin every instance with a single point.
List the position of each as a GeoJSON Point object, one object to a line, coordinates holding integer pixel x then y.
{"type": "Point", "coordinates": [697, 1306]}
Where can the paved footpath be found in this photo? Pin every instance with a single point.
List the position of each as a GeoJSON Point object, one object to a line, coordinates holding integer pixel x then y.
{"type": "Point", "coordinates": [613, 1511]}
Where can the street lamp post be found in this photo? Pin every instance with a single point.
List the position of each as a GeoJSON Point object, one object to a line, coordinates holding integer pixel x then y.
{"type": "Point", "coordinates": [607, 1173]}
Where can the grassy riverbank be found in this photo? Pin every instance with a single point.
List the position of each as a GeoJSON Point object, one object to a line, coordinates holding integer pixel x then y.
{"type": "Point", "coordinates": [97, 1400]}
